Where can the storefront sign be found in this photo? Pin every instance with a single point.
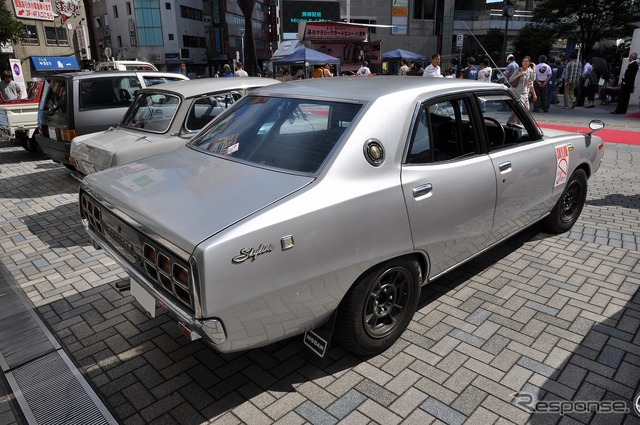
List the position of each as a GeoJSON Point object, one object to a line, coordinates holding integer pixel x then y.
{"type": "Point", "coordinates": [34, 9]}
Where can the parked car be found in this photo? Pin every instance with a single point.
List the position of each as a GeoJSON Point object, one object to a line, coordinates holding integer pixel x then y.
{"type": "Point", "coordinates": [497, 75]}
{"type": "Point", "coordinates": [79, 103]}
{"type": "Point", "coordinates": [19, 118]}
{"type": "Point", "coordinates": [314, 202]}
{"type": "Point", "coordinates": [161, 118]}
{"type": "Point", "coordinates": [124, 66]}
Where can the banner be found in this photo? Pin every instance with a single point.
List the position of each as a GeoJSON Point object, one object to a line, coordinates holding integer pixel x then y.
{"type": "Point", "coordinates": [18, 77]}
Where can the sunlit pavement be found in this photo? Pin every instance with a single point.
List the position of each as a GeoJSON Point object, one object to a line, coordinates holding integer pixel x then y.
{"type": "Point", "coordinates": [540, 323]}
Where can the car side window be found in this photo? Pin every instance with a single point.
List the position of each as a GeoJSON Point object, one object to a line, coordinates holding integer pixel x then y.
{"type": "Point", "coordinates": [443, 131]}
{"type": "Point", "coordinates": [206, 108]}
{"type": "Point", "coordinates": [502, 122]}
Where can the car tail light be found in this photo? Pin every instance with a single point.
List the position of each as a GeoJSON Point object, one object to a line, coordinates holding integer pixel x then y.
{"type": "Point", "coordinates": [164, 264]}
{"type": "Point", "coordinates": [66, 135]}
{"type": "Point", "coordinates": [164, 270]}
{"type": "Point", "coordinates": [150, 254]}
{"type": "Point", "coordinates": [181, 275]}
{"type": "Point", "coordinates": [92, 213]}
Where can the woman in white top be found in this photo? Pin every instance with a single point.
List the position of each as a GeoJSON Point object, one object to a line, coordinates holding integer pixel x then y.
{"type": "Point", "coordinates": [524, 79]}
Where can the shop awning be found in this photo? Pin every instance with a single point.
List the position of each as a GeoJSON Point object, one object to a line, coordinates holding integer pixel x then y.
{"type": "Point", "coordinates": [55, 63]}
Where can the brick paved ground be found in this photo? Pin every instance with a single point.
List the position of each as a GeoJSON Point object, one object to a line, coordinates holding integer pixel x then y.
{"type": "Point", "coordinates": [550, 317]}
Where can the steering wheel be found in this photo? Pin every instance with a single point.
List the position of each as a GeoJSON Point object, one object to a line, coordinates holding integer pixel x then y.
{"type": "Point", "coordinates": [503, 134]}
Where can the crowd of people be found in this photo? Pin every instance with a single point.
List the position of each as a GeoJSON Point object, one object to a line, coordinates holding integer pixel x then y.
{"type": "Point", "coordinates": [538, 85]}
{"type": "Point", "coordinates": [546, 82]}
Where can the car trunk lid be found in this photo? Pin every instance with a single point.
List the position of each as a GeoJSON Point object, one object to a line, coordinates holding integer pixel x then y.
{"type": "Point", "coordinates": [186, 196]}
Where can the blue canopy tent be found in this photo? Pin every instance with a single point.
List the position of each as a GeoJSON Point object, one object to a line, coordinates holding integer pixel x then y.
{"type": "Point", "coordinates": [394, 57]}
{"type": "Point", "coordinates": [397, 54]}
{"type": "Point", "coordinates": [307, 56]}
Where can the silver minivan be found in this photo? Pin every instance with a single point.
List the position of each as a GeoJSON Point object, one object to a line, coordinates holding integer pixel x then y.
{"type": "Point", "coordinates": [80, 103]}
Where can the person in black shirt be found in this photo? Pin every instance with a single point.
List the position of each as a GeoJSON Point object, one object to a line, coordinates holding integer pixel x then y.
{"type": "Point", "coordinates": [628, 82]}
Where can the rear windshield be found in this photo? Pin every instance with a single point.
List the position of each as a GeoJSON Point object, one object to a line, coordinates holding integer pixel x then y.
{"type": "Point", "coordinates": [291, 134]}
{"type": "Point", "coordinates": [55, 101]}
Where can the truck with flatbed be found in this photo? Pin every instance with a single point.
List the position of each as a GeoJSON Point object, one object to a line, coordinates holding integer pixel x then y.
{"type": "Point", "coordinates": [19, 118]}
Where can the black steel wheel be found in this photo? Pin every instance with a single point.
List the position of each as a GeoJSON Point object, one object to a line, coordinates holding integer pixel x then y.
{"type": "Point", "coordinates": [379, 307]}
{"type": "Point", "coordinates": [568, 208]}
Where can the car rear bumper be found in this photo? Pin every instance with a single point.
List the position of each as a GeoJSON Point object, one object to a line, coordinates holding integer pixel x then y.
{"type": "Point", "coordinates": [57, 150]}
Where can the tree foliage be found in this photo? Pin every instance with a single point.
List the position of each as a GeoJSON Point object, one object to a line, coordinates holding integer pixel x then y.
{"type": "Point", "coordinates": [533, 40]}
{"type": "Point", "coordinates": [589, 21]}
{"type": "Point", "coordinates": [492, 43]}
{"type": "Point", "coordinates": [250, 56]}
{"type": "Point", "coordinates": [10, 27]}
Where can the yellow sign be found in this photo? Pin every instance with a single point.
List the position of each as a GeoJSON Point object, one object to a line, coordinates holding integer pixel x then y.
{"type": "Point", "coordinates": [400, 11]}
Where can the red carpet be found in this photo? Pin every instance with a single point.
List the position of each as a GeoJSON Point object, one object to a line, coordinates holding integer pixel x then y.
{"type": "Point", "coordinates": [634, 115]}
{"type": "Point", "coordinates": [609, 136]}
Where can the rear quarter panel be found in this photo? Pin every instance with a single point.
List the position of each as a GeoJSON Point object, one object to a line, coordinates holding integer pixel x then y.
{"type": "Point", "coordinates": [350, 219]}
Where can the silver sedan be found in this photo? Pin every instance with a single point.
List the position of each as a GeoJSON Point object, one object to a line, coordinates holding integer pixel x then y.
{"type": "Point", "coordinates": [321, 207]}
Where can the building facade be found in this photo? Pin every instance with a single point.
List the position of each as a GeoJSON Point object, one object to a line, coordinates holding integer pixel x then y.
{"type": "Point", "coordinates": [55, 38]}
{"type": "Point", "coordinates": [197, 37]}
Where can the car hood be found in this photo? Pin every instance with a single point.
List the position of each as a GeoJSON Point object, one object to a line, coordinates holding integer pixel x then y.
{"type": "Point", "coordinates": [100, 148]}
{"type": "Point", "coordinates": [187, 196]}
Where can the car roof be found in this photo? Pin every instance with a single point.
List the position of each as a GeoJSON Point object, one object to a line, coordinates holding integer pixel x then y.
{"type": "Point", "coordinates": [368, 89]}
{"type": "Point", "coordinates": [193, 88]}
{"type": "Point", "coordinates": [114, 73]}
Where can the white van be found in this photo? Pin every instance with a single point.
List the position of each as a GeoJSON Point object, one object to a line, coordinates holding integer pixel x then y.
{"type": "Point", "coordinates": [125, 66]}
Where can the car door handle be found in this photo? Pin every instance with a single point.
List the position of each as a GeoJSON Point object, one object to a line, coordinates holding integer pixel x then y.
{"type": "Point", "coordinates": [422, 190]}
{"type": "Point", "coordinates": [505, 167]}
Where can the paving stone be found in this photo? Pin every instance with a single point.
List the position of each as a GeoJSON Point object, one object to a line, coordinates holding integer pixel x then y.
{"type": "Point", "coordinates": [346, 404]}
{"type": "Point", "coordinates": [550, 315]}
{"type": "Point", "coordinates": [443, 412]}
{"type": "Point", "coordinates": [407, 402]}
{"type": "Point", "coordinates": [469, 400]}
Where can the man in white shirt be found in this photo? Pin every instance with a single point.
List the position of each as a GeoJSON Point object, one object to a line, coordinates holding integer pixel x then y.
{"type": "Point", "coordinates": [364, 69]}
{"type": "Point", "coordinates": [9, 88]}
{"type": "Point", "coordinates": [543, 77]}
{"type": "Point", "coordinates": [484, 74]}
{"type": "Point", "coordinates": [240, 72]}
{"type": "Point", "coordinates": [433, 70]}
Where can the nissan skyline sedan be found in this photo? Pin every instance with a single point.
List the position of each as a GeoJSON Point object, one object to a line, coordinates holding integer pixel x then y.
{"type": "Point", "coordinates": [321, 207]}
{"type": "Point", "coordinates": [160, 118]}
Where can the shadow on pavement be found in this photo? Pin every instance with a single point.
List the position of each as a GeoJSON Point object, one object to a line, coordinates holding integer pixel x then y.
{"type": "Point", "coordinates": [48, 179]}
{"type": "Point", "coordinates": [617, 199]}
{"type": "Point", "coordinates": [597, 380]}
{"type": "Point", "coordinates": [59, 227]}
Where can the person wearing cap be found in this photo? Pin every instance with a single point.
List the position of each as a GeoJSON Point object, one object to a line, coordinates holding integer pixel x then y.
{"type": "Point", "coordinates": [9, 89]}
{"type": "Point", "coordinates": [512, 67]}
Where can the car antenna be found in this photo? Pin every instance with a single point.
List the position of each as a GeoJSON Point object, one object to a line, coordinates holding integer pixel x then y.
{"type": "Point", "coordinates": [495, 65]}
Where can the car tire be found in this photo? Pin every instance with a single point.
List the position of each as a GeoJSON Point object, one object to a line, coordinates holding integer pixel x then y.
{"type": "Point", "coordinates": [568, 208]}
{"type": "Point", "coordinates": [379, 307]}
{"type": "Point", "coordinates": [29, 143]}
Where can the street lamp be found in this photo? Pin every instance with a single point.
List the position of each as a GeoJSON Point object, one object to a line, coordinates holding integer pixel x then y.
{"type": "Point", "coordinates": [507, 11]}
